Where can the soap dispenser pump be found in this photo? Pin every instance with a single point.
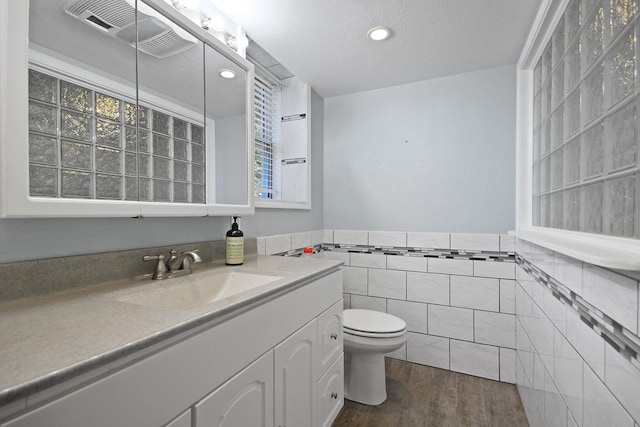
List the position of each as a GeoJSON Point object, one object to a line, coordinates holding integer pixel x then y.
{"type": "Point", "coordinates": [234, 244]}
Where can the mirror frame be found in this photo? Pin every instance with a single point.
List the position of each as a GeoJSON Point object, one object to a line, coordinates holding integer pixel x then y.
{"type": "Point", "coordinates": [15, 201]}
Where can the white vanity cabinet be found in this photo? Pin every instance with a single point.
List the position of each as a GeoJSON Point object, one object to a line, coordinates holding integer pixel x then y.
{"type": "Point", "coordinates": [244, 400]}
{"type": "Point", "coordinates": [296, 370]}
{"type": "Point", "coordinates": [264, 364]}
{"type": "Point", "coordinates": [183, 420]}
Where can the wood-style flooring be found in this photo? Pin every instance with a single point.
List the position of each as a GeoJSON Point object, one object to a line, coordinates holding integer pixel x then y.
{"type": "Point", "coordinates": [419, 395]}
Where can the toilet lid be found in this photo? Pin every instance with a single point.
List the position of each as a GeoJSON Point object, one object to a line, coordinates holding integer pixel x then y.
{"type": "Point", "coordinates": [372, 322]}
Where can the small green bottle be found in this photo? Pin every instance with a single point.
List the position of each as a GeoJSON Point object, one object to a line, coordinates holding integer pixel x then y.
{"type": "Point", "coordinates": [235, 244]}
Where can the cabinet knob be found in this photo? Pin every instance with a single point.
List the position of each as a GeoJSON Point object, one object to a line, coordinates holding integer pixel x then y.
{"type": "Point", "coordinates": [334, 395]}
{"type": "Point", "coordinates": [334, 336]}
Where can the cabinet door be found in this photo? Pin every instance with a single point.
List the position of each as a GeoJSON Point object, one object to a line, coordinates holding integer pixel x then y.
{"type": "Point", "coordinates": [330, 336]}
{"type": "Point", "coordinates": [331, 393]}
{"type": "Point", "coordinates": [245, 400]}
{"type": "Point", "coordinates": [296, 378]}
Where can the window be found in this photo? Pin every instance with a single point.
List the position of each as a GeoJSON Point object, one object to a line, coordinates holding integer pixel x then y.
{"type": "Point", "coordinates": [82, 144]}
{"type": "Point", "coordinates": [282, 174]}
{"type": "Point", "coordinates": [585, 173]}
{"type": "Point", "coordinates": [266, 121]}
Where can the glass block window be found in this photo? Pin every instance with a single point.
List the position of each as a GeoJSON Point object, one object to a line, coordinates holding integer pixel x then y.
{"type": "Point", "coordinates": [90, 145]}
{"type": "Point", "coordinates": [585, 120]}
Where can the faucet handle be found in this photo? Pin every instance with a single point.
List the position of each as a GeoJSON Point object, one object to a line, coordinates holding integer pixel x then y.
{"type": "Point", "coordinates": [160, 271]}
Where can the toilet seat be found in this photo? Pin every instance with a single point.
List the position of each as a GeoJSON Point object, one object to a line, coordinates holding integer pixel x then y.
{"type": "Point", "coordinates": [373, 324]}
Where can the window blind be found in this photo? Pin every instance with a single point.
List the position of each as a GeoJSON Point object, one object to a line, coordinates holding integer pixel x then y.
{"type": "Point", "coordinates": [265, 109]}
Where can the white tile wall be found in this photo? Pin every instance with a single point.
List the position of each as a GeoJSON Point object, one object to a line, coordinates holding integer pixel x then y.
{"type": "Point", "coordinates": [507, 296]}
{"type": "Point", "coordinates": [475, 292]}
{"type": "Point", "coordinates": [338, 256]}
{"type": "Point", "coordinates": [600, 407]}
{"type": "Point", "coordinates": [567, 374]}
{"type": "Point", "coordinates": [450, 266]}
{"type": "Point", "coordinates": [301, 240]}
{"type": "Point", "coordinates": [428, 287]}
{"type": "Point", "coordinates": [428, 350]}
{"type": "Point", "coordinates": [451, 322]}
{"type": "Point", "coordinates": [475, 359]}
{"type": "Point", "coordinates": [369, 260]}
{"type": "Point", "coordinates": [623, 379]}
{"type": "Point", "coordinates": [407, 263]}
{"type": "Point", "coordinates": [388, 283]}
{"type": "Point", "coordinates": [587, 382]}
{"type": "Point", "coordinates": [612, 293]}
{"type": "Point", "coordinates": [507, 365]}
{"type": "Point", "coordinates": [568, 271]}
{"type": "Point", "coordinates": [368, 303]}
{"type": "Point", "coordinates": [279, 243]}
{"type": "Point", "coordinates": [355, 280]}
{"type": "Point", "coordinates": [439, 298]}
{"type": "Point", "coordinates": [262, 245]}
{"type": "Point", "coordinates": [317, 237]}
{"type": "Point", "coordinates": [411, 312]}
{"type": "Point", "coordinates": [589, 344]}
{"type": "Point", "coordinates": [494, 328]}
{"type": "Point", "coordinates": [502, 270]}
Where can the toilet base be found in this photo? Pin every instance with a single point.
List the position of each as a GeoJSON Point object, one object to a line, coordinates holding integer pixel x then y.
{"type": "Point", "coordinates": [365, 379]}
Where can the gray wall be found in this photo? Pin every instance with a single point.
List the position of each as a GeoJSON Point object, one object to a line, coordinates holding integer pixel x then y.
{"type": "Point", "coordinates": [436, 155]}
{"type": "Point", "coordinates": [27, 239]}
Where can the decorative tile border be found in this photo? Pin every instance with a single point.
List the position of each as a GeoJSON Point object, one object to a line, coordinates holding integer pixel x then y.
{"type": "Point", "coordinates": [617, 336]}
{"type": "Point", "coordinates": [412, 252]}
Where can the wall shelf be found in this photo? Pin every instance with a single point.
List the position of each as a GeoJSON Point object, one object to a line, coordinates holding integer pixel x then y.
{"type": "Point", "coordinates": [592, 249]}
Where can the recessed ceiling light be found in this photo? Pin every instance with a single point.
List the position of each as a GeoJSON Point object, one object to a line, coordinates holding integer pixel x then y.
{"type": "Point", "coordinates": [227, 74]}
{"type": "Point", "coordinates": [379, 33]}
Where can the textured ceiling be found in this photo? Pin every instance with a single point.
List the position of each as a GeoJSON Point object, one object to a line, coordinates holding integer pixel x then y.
{"type": "Point", "coordinates": [324, 42]}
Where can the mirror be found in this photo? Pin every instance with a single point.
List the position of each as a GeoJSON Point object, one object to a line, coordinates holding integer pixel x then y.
{"type": "Point", "coordinates": [108, 122]}
{"type": "Point", "coordinates": [226, 123]}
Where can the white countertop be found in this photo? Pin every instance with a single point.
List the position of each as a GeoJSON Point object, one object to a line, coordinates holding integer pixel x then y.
{"type": "Point", "coordinates": [49, 340]}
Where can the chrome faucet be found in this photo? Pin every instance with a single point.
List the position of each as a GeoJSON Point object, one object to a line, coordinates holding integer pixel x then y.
{"type": "Point", "coordinates": [176, 265]}
{"type": "Point", "coordinates": [182, 261]}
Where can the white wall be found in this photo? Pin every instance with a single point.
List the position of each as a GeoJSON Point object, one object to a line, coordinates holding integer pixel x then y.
{"type": "Point", "coordinates": [436, 155]}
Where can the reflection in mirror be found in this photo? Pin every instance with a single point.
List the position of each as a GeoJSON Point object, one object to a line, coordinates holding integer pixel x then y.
{"type": "Point", "coordinates": [108, 123]}
{"type": "Point", "coordinates": [227, 124]}
{"type": "Point", "coordinates": [81, 100]}
{"type": "Point", "coordinates": [171, 127]}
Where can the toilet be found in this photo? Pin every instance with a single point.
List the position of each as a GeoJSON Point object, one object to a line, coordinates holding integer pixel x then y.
{"type": "Point", "coordinates": [368, 335]}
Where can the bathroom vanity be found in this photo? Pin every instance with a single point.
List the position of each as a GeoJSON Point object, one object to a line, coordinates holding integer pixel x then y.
{"type": "Point", "coordinates": [175, 353]}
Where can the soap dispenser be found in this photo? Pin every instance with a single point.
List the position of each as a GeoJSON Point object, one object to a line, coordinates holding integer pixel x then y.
{"type": "Point", "coordinates": [234, 244]}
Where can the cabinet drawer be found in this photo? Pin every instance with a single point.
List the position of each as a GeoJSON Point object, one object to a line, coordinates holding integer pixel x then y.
{"type": "Point", "coordinates": [331, 393]}
{"type": "Point", "coordinates": [329, 336]}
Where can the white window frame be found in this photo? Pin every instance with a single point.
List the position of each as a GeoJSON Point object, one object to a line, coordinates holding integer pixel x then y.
{"type": "Point", "coordinates": [15, 200]}
{"type": "Point", "coordinates": [278, 203]}
{"type": "Point", "coordinates": [605, 251]}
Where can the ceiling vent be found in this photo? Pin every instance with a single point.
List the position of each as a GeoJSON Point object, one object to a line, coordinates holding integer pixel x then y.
{"type": "Point", "coordinates": [157, 35]}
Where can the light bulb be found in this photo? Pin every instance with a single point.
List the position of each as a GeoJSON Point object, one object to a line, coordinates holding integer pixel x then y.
{"type": "Point", "coordinates": [216, 23]}
{"type": "Point", "coordinates": [227, 74]}
{"type": "Point", "coordinates": [379, 33]}
{"type": "Point", "coordinates": [242, 42]}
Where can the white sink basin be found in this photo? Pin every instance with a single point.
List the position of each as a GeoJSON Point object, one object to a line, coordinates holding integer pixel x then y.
{"type": "Point", "coordinates": [198, 291]}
